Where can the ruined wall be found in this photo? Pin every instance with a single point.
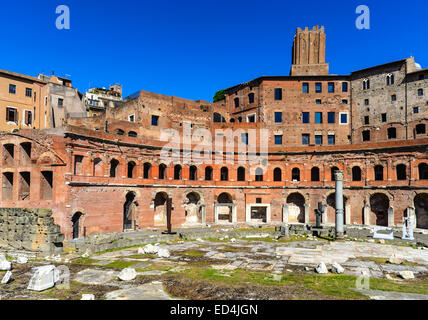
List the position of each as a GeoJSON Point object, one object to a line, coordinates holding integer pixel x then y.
{"type": "Point", "coordinates": [30, 230]}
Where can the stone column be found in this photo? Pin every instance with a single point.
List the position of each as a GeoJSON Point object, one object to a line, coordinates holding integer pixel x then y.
{"type": "Point", "coordinates": [339, 204]}
{"type": "Point", "coordinates": [390, 217]}
{"type": "Point", "coordinates": [410, 212]}
{"type": "Point", "coordinates": [366, 215]}
{"type": "Point", "coordinates": [234, 216]}
{"type": "Point", "coordinates": [348, 214]}
{"type": "Point", "coordinates": [215, 214]}
{"type": "Point", "coordinates": [204, 213]}
{"type": "Point", "coordinates": [307, 213]}
{"type": "Point", "coordinates": [285, 213]}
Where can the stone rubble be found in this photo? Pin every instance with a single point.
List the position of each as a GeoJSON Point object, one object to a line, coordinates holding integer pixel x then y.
{"type": "Point", "coordinates": [321, 268]}
{"type": "Point", "coordinates": [7, 278]}
{"type": "Point", "coordinates": [127, 274]}
{"type": "Point", "coordinates": [337, 268]}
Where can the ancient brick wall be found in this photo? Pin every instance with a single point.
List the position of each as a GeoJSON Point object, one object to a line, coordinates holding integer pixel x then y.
{"type": "Point", "coordinates": [30, 230]}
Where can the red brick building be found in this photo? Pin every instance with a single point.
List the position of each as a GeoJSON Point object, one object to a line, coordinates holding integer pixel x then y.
{"type": "Point", "coordinates": [107, 174]}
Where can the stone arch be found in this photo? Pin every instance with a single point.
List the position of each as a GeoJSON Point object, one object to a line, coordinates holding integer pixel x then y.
{"type": "Point", "coordinates": [193, 208]}
{"type": "Point", "coordinates": [296, 207]}
{"type": "Point", "coordinates": [315, 174]}
{"type": "Point", "coordinates": [401, 171]}
{"type": "Point", "coordinates": [193, 173]}
{"type": "Point", "coordinates": [225, 197]}
{"type": "Point", "coordinates": [295, 174]}
{"type": "Point", "coordinates": [114, 168]}
{"type": "Point", "coordinates": [423, 171]}
{"type": "Point", "coordinates": [379, 205]}
{"type": "Point", "coordinates": [277, 174]}
{"type": "Point", "coordinates": [162, 171]}
{"type": "Point", "coordinates": [178, 172]}
{"type": "Point", "coordinates": [147, 170]}
{"type": "Point", "coordinates": [357, 174]}
{"type": "Point", "coordinates": [160, 208]}
{"type": "Point", "coordinates": [131, 169]}
{"type": "Point", "coordinates": [130, 211]}
{"type": "Point", "coordinates": [421, 210]}
{"type": "Point", "coordinates": [224, 208]}
{"type": "Point", "coordinates": [97, 169]}
{"type": "Point", "coordinates": [76, 221]}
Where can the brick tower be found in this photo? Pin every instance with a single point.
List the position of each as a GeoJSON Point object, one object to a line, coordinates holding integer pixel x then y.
{"type": "Point", "coordinates": [309, 52]}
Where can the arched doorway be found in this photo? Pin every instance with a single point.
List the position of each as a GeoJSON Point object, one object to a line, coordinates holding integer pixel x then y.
{"type": "Point", "coordinates": [129, 211]}
{"type": "Point", "coordinates": [296, 208]}
{"type": "Point", "coordinates": [76, 224]}
{"type": "Point", "coordinates": [421, 207]}
{"type": "Point", "coordinates": [379, 204]}
{"type": "Point", "coordinates": [224, 208]}
{"type": "Point", "coordinates": [192, 207]}
{"type": "Point", "coordinates": [160, 206]}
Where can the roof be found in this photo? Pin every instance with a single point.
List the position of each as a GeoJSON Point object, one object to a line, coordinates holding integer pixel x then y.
{"type": "Point", "coordinates": [381, 66]}
{"type": "Point", "coordinates": [22, 76]}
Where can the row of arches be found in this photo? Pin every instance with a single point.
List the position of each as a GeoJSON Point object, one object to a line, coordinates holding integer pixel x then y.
{"type": "Point", "coordinates": [356, 172]}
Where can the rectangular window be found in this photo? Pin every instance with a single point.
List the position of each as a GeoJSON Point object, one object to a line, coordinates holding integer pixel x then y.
{"type": "Point", "coordinates": [305, 139]}
{"type": "Point", "coordinates": [155, 121]}
{"type": "Point", "coordinates": [278, 94]}
{"type": "Point", "coordinates": [383, 117]}
{"type": "Point", "coordinates": [244, 138]}
{"type": "Point", "coordinates": [28, 118]}
{"type": "Point", "coordinates": [12, 89]}
{"type": "Point", "coordinates": [318, 117]}
{"type": "Point", "coordinates": [318, 87]}
{"type": "Point", "coordinates": [131, 118]}
{"type": "Point", "coordinates": [60, 102]}
{"type": "Point", "coordinates": [343, 118]}
{"type": "Point", "coordinates": [331, 87]}
{"type": "Point", "coordinates": [251, 118]}
{"type": "Point", "coordinates": [331, 139]}
{"type": "Point", "coordinates": [332, 117]}
{"type": "Point", "coordinates": [344, 101]}
{"type": "Point", "coordinates": [278, 117]}
{"type": "Point", "coordinates": [318, 140]}
{"type": "Point", "coordinates": [366, 102]}
{"type": "Point", "coordinates": [305, 117]}
{"type": "Point", "coordinates": [366, 120]}
{"type": "Point", "coordinates": [393, 98]}
{"type": "Point", "coordinates": [28, 92]}
{"type": "Point", "coordinates": [251, 98]}
{"type": "Point", "coordinates": [416, 110]}
{"type": "Point", "coordinates": [305, 87]}
{"type": "Point", "coordinates": [420, 92]}
{"type": "Point", "coordinates": [318, 101]}
{"type": "Point", "coordinates": [11, 115]}
{"type": "Point", "coordinates": [278, 139]}
{"type": "Point", "coordinates": [344, 86]}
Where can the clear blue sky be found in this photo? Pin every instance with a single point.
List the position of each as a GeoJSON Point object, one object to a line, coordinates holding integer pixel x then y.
{"type": "Point", "coordinates": [192, 48]}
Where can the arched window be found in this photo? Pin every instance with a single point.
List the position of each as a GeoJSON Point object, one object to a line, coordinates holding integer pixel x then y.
{"type": "Point", "coordinates": [356, 174]}
{"type": "Point", "coordinates": [131, 166]}
{"type": "Point", "coordinates": [177, 172]}
{"type": "Point", "coordinates": [224, 174]}
{"type": "Point", "coordinates": [132, 134]}
{"type": "Point", "coordinates": [378, 173]}
{"type": "Point", "coordinates": [295, 174]}
{"type": "Point", "coordinates": [241, 174]}
{"type": "Point", "coordinates": [423, 171]}
{"type": "Point", "coordinates": [401, 172]}
{"type": "Point", "coordinates": [259, 174]}
{"type": "Point", "coordinates": [251, 98]}
{"type": "Point", "coordinates": [208, 173]}
{"type": "Point", "coordinates": [147, 170]}
{"type": "Point", "coordinates": [366, 84]}
{"type": "Point", "coordinates": [277, 174]}
{"type": "Point", "coordinates": [315, 174]}
{"type": "Point", "coordinates": [192, 173]}
{"type": "Point", "coordinates": [120, 132]}
{"type": "Point", "coordinates": [333, 170]}
{"type": "Point", "coordinates": [114, 166]}
{"type": "Point", "coordinates": [218, 118]}
{"type": "Point", "coordinates": [98, 168]}
{"type": "Point", "coordinates": [236, 101]}
{"type": "Point", "coordinates": [420, 129]}
{"type": "Point", "coordinates": [390, 79]}
{"type": "Point", "coordinates": [162, 171]}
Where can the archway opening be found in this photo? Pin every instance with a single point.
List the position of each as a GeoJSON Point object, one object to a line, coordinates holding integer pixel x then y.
{"type": "Point", "coordinates": [421, 207]}
{"type": "Point", "coordinates": [75, 220]}
{"type": "Point", "coordinates": [225, 207]}
{"type": "Point", "coordinates": [379, 204]}
{"type": "Point", "coordinates": [129, 209]}
{"type": "Point", "coordinates": [296, 208]}
{"type": "Point", "coordinates": [160, 206]}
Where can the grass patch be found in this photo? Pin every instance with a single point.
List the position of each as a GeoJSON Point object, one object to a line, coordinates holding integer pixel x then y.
{"type": "Point", "coordinates": [385, 261]}
{"type": "Point", "coordinates": [85, 261]}
{"type": "Point", "coordinates": [193, 253]}
{"type": "Point", "coordinates": [119, 264]}
{"type": "Point", "coordinates": [419, 287]}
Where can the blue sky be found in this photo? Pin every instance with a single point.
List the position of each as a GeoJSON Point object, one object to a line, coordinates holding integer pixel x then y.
{"type": "Point", "coordinates": [192, 48]}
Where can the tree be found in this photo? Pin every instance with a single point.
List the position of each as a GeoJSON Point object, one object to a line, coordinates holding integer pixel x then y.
{"type": "Point", "coordinates": [220, 95]}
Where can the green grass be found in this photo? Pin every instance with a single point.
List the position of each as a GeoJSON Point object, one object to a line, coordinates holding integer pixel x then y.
{"type": "Point", "coordinates": [119, 264]}
{"type": "Point", "coordinates": [419, 287]}
{"type": "Point", "coordinates": [193, 253]}
{"type": "Point", "coordinates": [385, 261]}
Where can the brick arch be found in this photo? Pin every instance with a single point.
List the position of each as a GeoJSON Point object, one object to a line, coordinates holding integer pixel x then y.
{"type": "Point", "coordinates": [200, 193]}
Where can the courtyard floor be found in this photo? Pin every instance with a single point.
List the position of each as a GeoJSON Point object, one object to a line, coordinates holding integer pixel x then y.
{"type": "Point", "coordinates": [253, 267]}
